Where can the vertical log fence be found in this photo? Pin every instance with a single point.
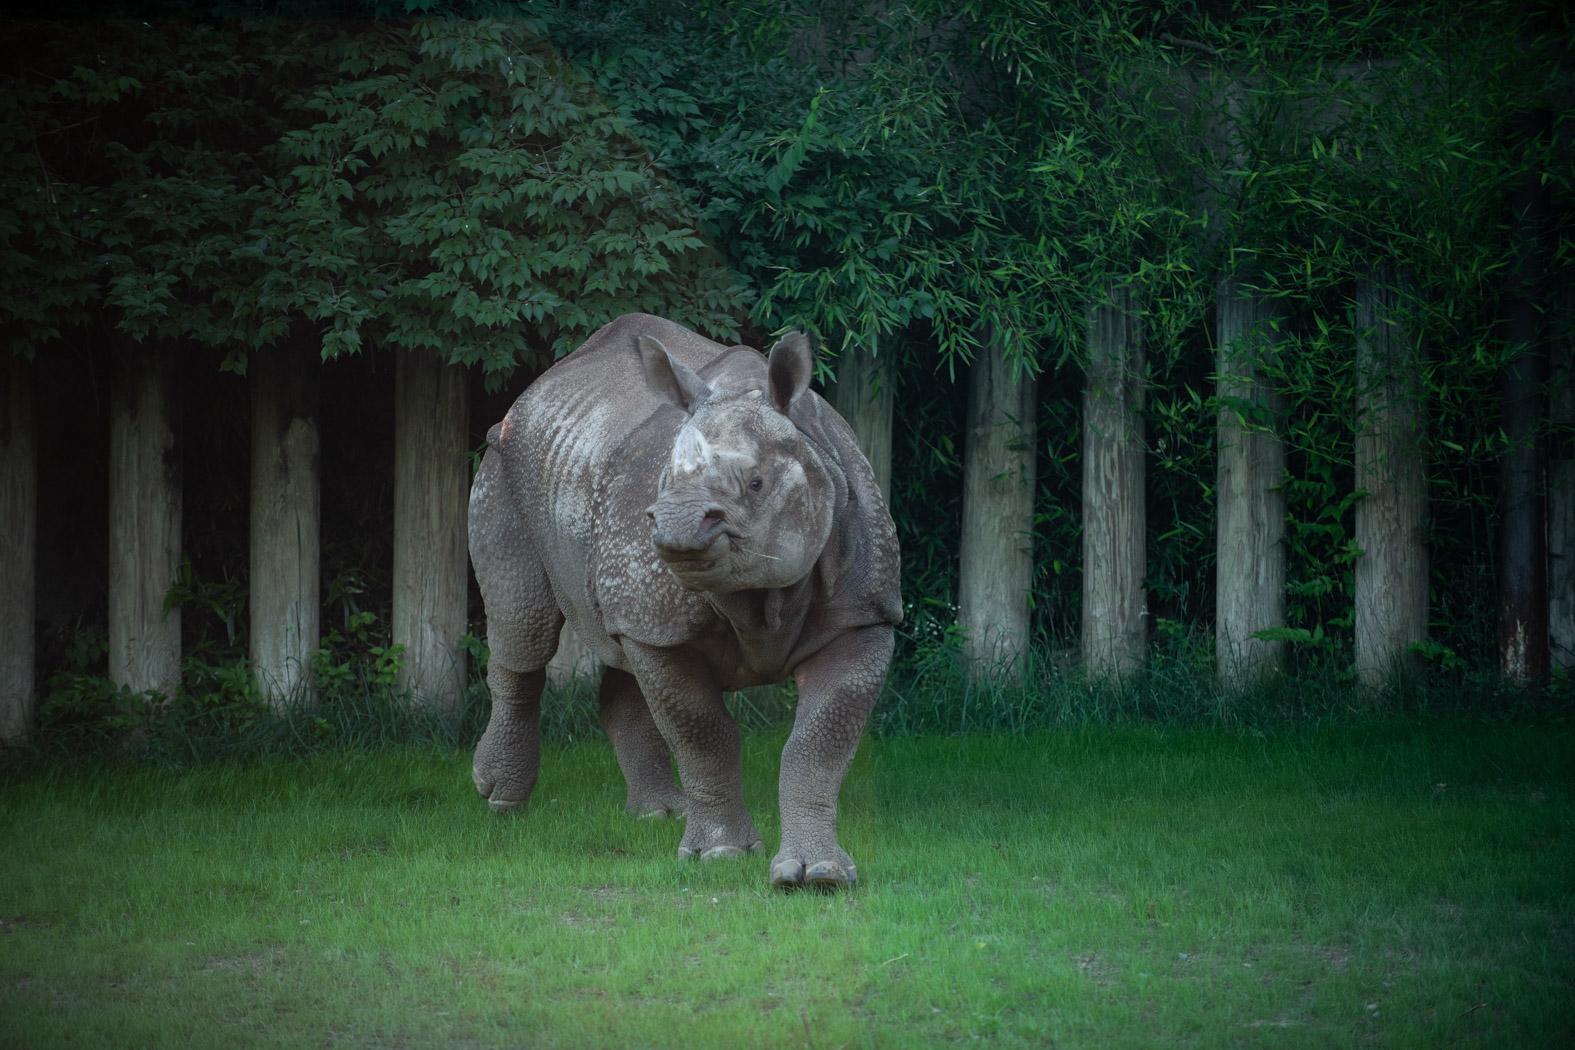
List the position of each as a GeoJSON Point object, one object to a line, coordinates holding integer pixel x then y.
{"type": "Point", "coordinates": [1115, 604]}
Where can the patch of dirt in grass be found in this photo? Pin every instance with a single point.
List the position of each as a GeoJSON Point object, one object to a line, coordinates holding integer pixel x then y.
{"type": "Point", "coordinates": [607, 893]}
{"type": "Point", "coordinates": [255, 963]}
{"type": "Point", "coordinates": [1094, 968]}
{"type": "Point", "coordinates": [579, 920]}
{"type": "Point", "coordinates": [19, 923]}
{"type": "Point", "coordinates": [1337, 957]}
{"type": "Point", "coordinates": [357, 850]}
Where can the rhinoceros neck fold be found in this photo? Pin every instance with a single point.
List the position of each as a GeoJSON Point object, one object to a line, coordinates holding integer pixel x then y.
{"type": "Point", "coordinates": [770, 625]}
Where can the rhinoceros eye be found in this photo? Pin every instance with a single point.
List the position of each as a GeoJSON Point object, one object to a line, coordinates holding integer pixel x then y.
{"type": "Point", "coordinates": [754, 484]}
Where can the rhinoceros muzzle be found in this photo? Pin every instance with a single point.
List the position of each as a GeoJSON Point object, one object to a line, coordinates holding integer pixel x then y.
{"type": "Point", "coordinates": [689, 537]}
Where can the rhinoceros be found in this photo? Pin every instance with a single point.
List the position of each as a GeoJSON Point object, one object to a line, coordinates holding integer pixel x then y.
{"type": "Point", "coordinates": [704, 522]}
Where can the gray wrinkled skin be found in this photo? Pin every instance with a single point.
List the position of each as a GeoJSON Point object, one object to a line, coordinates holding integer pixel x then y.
{"type": "Point", "coordinates": [705, 522]}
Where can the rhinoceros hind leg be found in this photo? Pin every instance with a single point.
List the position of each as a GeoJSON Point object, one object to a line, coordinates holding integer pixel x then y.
{"type": "Point", "coordinates": [642, 753]}
{"type": "Point", "coordinates": [509, 753]}
{"type": "Point", "coordinates": [523, 621]}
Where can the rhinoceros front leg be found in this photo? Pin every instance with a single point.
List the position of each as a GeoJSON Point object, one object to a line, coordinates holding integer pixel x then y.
{"type": "Point", "coordinates": [837, 687]}
{"type": "Point", "coordinates": [686, 704]}
{"type": "Point", "coordinates": [642, 753]}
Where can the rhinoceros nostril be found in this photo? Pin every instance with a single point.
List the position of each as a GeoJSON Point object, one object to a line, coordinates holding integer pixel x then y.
{"type": "Point", "coordinates": [714, 516]}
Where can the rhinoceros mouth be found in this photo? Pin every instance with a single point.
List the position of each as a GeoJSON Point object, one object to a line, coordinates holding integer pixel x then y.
{"type": "Point", "coordinates": [691, 565]}
{"type": "Point", "coordinates": [694, 570]}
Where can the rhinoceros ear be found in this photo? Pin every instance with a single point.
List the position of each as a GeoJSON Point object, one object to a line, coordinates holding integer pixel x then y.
{"type": "Point", "coordinates": [790, 366]}
{"type": "Point", "coordinates": [669, 377]}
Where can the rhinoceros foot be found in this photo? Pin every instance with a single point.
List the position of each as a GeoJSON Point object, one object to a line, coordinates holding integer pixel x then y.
{"type": "Point", "coordinates": [501, 796]}
{"type": "Point", "coordinates": [719, 840]}
{"type": "Point", "coordinates": [724, 852]}
{"type": "Point", "coordinates": [506, 762]}
{"type": "Point", "coordinates": [791, 871]}
{"type": "Point", "coordinates": [729, 852]}
{"type": "Point", "coordinates": [656, 807]}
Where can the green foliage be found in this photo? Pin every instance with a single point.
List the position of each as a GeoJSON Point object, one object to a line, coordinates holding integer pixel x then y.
{"type": "Point", "coordinates": [454, 186]}
{"type": "Point", "coordinates": [215, 708]}
{"type": "Point", "coordinates": [931, 691]}
{"type": "Point", "coordinates": [127, 177]}
{"type": "Point", "coordinates": [359, 658]}
{"type": "Point", "coordinates": [446, 185]}
{"type": "Point", "coordinates": [78, 698]}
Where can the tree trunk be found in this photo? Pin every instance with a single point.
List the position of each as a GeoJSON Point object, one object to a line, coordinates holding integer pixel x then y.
{"type": "Point", "coordinates": [1391, 571]}
{"type": "Point", "coordinates": [1523, 550]}
{"type": "Point", "coordinates": [573, 662]}
{"type": "Point", "coordinates": [144, 520]}
{"type": "Point", "coordinates": [1561, 493]}
{"type": "Point", "coordinates": [996, 572]}
{"type": "Point", "coordinates": [285, 516]}
{"type": "Point", "coordinates": [19, 525]}
{"type": "Point", "coordinates": [1249, 588]}
{"type": "Point", "coordinates": [1115, 606]}
{"type": "Point", "coordinates": [862, 395]}
{"type": "Point", "coordinates": [431, 489]}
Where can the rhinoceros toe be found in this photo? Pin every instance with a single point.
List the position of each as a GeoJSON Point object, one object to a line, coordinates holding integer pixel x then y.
{"type": "Point", "coordinates": [726, 851]}
{"type": "Point", "coordinates": [503, 805]}
{"type": "Point", "coordinates": [656, 807]}
{"type": "Point", "coordinates": [830, 875]}
{"type": "Point", "coordinates": [787, 873]}
{"type": "Point", "coordinates": [790, 871]}
{"type": "Point", "coordinates": [503, 794]}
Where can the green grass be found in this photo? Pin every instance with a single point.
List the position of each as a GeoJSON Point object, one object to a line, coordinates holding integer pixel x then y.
{"type": "Point", "coordinates": [1406, 883]}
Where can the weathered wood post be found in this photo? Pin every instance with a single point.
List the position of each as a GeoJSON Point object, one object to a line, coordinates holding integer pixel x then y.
{"type": "Point", "coordinates": [1523, 508]}
{"type": "Point", "coordinates": [145, 507]}
{"type": "Point", "coordinates": [431, 490]}
{"type": "Point", "coordinates": [18, 549]}
{"type": "Point", "coordinates": [286, 512]}
{"type": "Point", "coordinates": [1115, 604]}
{"type": "Point", "coordinates": [1249, 590]}
{"type": "Point", "coordinates": [995, 574]}
{"type": "Point", "coordinates": [1561, 490]}
{"type": "Point", "coordinates": [1391, 571]}
{"type": "Point", "coordinates": [862, 395]}
{"type": "Point", "coordinates": [572, 663]}
{"type": "Point", "coordinates": [1249, 563]}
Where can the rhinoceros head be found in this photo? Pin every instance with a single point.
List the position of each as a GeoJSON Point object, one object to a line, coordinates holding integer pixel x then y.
{"type": "Point", "coordinates": [746, 500]}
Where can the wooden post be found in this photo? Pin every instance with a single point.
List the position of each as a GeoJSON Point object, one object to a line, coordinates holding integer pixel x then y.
{"type": "Point", "coordinates": [144, 520]}
{"type": "Point", "coordinates": [1115, 605]}
{"type": "Point", "coordinates": [1561, 491]}
{"type": "Point", "coordinates": [431, 489]}
{"type": "Point", "coordinates": [286, 511]}
{"type": "Point", "coordinates": [996, 570]}
{"type": "Point", "coordinates": [1391, 571]}
{"type": "Point", "coordinates": [19, 526]}
{"type": "Point", "coordinates": [1249, 587]}
{"type": "Point", "coordinates": [1523, 538]}
{"type": "Point", "coordinates": [573, 662]}
{"type": "Point", "coordinates": [862, 395]}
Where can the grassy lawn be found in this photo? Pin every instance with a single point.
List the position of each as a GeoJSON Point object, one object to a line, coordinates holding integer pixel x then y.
{"type": "Point", "coordinates": [1406, 884]}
